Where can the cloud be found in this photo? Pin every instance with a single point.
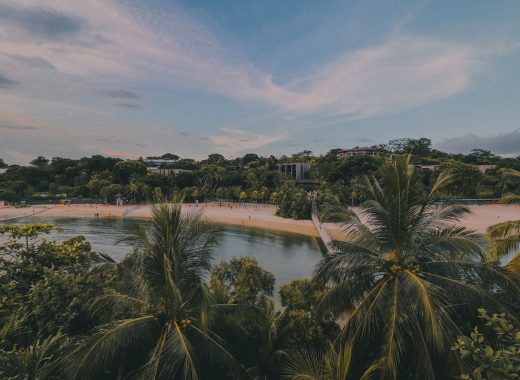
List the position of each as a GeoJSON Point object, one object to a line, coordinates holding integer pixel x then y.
{"type": "Point", "coordinates": [36, 62]}
{"type": "Point", "coordinates": [17, 127]}
{"type": "Point", "coordinates": [507, 143]}
{"type": "Point", "coordinates": [118, 153]}
{"type": "Point", "coordinates": [119, 94]}
{"type": "Point", "coordinates": [170, 47]}
{"type": "Point", "coordinates": [127, 105]}
{"type": "Point", "coordinates": [6, 82]}
{"type": "Point", "coordinates": [236, 140]}
{"type": "Point", "coordinates": [41, 22]}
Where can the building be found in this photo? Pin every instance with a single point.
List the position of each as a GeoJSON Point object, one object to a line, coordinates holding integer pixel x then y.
{"type": "Point", "coordinates": [294, 170]}
{"type": "Point", "coordinates": [428, 167]}
{"type": "Point", "coordinates": [166, 172]}
{"type": "Point", "coordinates": [157, 161]}
{"type": "Point", "coordinates": [374, 151]}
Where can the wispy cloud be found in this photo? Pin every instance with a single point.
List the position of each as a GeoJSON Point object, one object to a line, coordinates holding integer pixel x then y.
{"type": "Point", "coordinates": [40, 22]}
{"type": "Point", "coordinates": [6, 82]}
{"type": "Point", "coordinates": [173, 48]}
{"type": "Point", "coordinates": [127, 105]}
{"type": "Point", "coordinates": [17, 127]}
{"type": "Point", "coordinates": [119, 94]}
{"type": "Point", "coordinates": [236, 140]}
{"type": "Point", "coordinates": [506, 143]}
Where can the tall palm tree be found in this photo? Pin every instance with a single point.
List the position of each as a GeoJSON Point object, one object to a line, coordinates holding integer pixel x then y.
{"type": "Point", "coordinates": [161, 313]}
{"type": "Point", "coordinates": [410, 274]}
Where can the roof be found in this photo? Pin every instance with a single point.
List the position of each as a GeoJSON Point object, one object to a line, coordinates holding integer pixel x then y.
{"type": "Point", "coordinates": [373, 148]}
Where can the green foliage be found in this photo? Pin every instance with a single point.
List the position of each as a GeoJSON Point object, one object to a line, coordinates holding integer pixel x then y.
{"type": "Point", "coordinates": [26, 266]}
{"type": "Point", "coordinates": [503, 239]}
{"type": "Point", "coordinates": [242, 281]}
{"type": "Point", "coordinates": [292, 202]}
{"type": "Point", "coordinates": [39, 361]}
{"type": "Point", "coordinates": [60, 303]}
{"type": "Point", "coordinates": [510, 199]}
{"type": "Point", "coordinates": [406, 273]}
{"type": "Point", "coordinates": [300, 324]}
{"type": "Point", "coordinates": [161, 315]}
{"type": "Point", "coordinates": [494, 355]}
{"type": "Point", "coordinates": [466, 178]}
{"type": "Point", "coordinates": [416, 147]}
{"type": "Point", "coordinates": [354, 167]}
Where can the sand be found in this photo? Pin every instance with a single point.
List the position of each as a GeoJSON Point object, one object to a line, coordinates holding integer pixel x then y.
{"type": "Point", "coordinates": [250, 215]}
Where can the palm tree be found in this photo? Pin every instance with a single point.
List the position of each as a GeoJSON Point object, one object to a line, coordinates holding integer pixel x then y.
{"type": "Point", "coordinates": [39, 361]}
{"type": "Point", "coordinates": [134, 189]}
{"type": "Point", "coordinates": [411, 275]}
{"type": "Point", "coordinates": [504, 238]}
{"type": "Point", "coordinates": [315, 364]}
{"type": "Point", "coordinates": [162, 315]}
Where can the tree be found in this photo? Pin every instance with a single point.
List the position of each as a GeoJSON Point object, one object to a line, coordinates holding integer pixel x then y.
{"type": "Point", "coordinates": [494, 358]}
{"type": "Point", "coordinates": [300, 324]}
{"type": "Point", "coordinates": [242, 281]}
{"type": "Point", "coordinates": [466, 178]}
{"type": "Point", "coordinates": [162, 315]}
{"type": "Point", "coordinates": [292, 202]}
{"type": "Point", "coordinates": [215, 158]}
{"type": "Point", "coordinates": [39, 361]}
{"type": "Point", "coordinates": [2, 163]}
{"type": "Point", "coordinates": [504, 238]}
{"type": "Point", "coordinates": [354, 167]}
{"type": "Point", "coordinates": [124, 171]}
{"type": "Point", "coordinates": [409, 274]}
{"type": "Point", "coordinates": [417, 147]}
{"type": "Point", "coordinates": [249, 157]}
{"type": "Point", "coordinates": [40, 162]}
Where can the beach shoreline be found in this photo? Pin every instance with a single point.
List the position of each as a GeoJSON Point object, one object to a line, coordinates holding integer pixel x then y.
{"type": "Point", "coordinates": [248, 215]}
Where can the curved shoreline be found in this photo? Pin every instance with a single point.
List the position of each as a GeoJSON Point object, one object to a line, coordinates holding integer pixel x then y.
{"type": "Point", "coordinates": [248, 215]}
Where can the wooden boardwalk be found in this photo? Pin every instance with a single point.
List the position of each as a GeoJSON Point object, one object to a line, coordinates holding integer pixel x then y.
{"type": "Point", "coordinates": [322, 230]}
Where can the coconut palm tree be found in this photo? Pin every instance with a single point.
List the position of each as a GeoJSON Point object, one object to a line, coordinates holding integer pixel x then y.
{"type": "Point", "coordinates": [315, 364]}
{"type": "Point", "coordinates": [504, 238]}
{"type": "Point", "coordinates": [410, 274]}
{"type": "Point", "coordinates": [161, 314]}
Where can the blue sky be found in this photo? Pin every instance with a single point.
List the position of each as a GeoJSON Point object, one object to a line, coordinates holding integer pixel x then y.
{"type": "Point", "coordinates": [130, 78]}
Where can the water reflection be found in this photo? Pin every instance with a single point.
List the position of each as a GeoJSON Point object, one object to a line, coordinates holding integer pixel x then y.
{"type": "Point", "coordinates": [287, 256]}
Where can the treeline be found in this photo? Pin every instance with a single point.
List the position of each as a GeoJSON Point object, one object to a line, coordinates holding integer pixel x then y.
{"type": "Point", "coordinates": [252, 178]}
{"type": "Point", "coordinates": [407, 296]}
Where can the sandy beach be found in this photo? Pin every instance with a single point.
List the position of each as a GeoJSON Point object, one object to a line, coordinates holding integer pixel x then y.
{"type": "Point", "coordinates": [250, 215]}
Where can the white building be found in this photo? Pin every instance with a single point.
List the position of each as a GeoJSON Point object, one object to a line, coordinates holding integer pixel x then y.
{"type": "Point", "coordinates": [157, 161]}
{"type": "Point", "coordinates": [166, 172]}
{"type": "Point", "coordinates": [374, 151]}
{"type": "Point", "coordinates": [294, 170]}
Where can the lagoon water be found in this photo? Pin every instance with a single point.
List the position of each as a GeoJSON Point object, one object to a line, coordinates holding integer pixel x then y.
{"type": "Point", "coordinates": [287, 256]}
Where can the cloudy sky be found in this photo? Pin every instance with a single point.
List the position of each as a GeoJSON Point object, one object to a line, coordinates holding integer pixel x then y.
{"type": "Point", "coordinates": [130, 78]}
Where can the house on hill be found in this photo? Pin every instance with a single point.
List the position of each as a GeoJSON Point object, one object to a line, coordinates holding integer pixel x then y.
{"type": "Point", "coordinates": [374, 151]}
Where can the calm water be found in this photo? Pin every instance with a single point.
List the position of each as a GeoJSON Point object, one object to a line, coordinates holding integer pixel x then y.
{"type": "Point", "coordinates": [287, 256]}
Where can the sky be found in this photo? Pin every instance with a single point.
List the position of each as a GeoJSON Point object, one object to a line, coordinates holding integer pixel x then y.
{"type": "Point", "coordinates": [135, 78]}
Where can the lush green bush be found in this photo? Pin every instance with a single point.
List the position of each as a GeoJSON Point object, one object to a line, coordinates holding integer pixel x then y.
{"type": "Point", "coordinates": [493, 354]}
{"type": "Point", "coordinates": [510, 199]}
{"type": "Point", "coordinates": [292, 202]}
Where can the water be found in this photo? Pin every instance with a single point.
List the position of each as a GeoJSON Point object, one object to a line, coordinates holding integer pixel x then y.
{"type": "Point", "coordinates": [287, 256]}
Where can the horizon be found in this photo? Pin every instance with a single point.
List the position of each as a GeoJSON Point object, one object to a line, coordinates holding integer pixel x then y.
{"type": "Point", "coordinates": [136, 78]}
